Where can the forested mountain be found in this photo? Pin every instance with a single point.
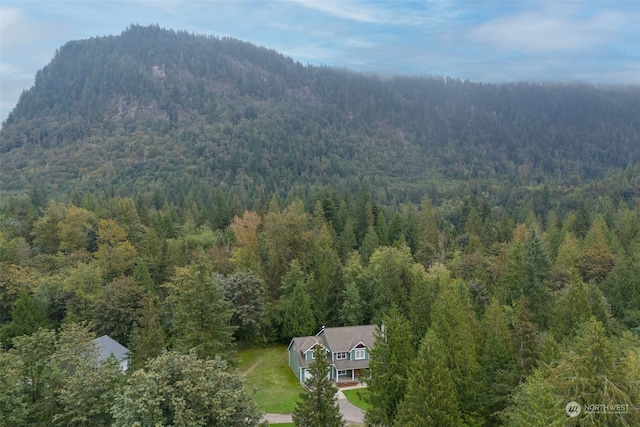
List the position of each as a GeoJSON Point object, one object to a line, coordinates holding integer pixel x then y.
{"type": "Point", "coordinates": [156, 111]}
{"type": "Point", "coordinates": [187, 195]}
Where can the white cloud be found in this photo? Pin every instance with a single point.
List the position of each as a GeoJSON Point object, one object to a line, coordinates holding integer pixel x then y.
{"type": "Point", "coordinates": [356, 11]}
{"type": "Point", "coordinates": [366, 12]}
{"type": "Point", "coordinates": [14, 29]}
{"type": "Point", "coordinates": [554, 28]}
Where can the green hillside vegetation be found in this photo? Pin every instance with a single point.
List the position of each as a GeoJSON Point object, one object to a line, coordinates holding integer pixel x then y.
{"type": "Point", "coordinates": [188, 195]}
{"type": "Point", "coordinates": [158, 113]}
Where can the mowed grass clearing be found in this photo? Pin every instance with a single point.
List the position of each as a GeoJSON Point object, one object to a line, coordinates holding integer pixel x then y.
{"type": "Point", "coordinates": [355, 396]}
{"type": "Point", "coordinates": [266, 370]}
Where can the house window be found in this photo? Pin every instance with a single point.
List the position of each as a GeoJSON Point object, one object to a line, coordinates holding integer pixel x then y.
{"type": "Point", "coordinates": [312, 355]}
{"type": "Point", "coordinates": [360, 353]}
{"type": "Point", "coordinates": [342, 372]}
{"type": "Point", "coordinates": [341, 356]}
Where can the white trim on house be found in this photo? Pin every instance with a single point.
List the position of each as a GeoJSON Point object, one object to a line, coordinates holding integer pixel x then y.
{"type": "Point", "coordinates": [311, 349]}
{"type": "Point", "coordinates": [359, 343]}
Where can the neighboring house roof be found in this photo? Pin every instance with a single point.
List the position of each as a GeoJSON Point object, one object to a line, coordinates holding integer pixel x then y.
{"type": "Point", "coordinates": [346, 338]}
{"type": "Point", "coordinates": [108, 346]}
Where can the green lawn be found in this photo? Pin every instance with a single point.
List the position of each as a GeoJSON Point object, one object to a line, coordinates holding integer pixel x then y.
{"type": "Point", "coordinates": [354, 396]}
{"type": "Point", "coordinates": [266, 371]}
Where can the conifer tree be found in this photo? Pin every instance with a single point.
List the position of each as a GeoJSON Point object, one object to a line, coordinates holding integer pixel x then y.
{"type": "Point", "coordinates": [423, 295]}
{"type": "Point", "coordinates": [588, 373]}
{"type": "Point", "coordinates": [431, 398]}
{"type": "Point", "coordinates": [391, 359]}
{"type": "Point", "coordinates": [369, 244]}
{"type": "Point", "coordinates": [147, 337]}
{"type": "Point", "coordinates": [454, 322]}
{"type": "Point", "coordinates": [347, 241]}
{"type": "Point", "coordinates": [318, 405]}
{"type": "Point", "coordinates": [27, 316]}
{"type": "Point", "coordinates": [525, 339]}
{"type": "Point", "coordinates": [295, 303]}
{"type": "Point", "coordinates": [536, 402]}
{"type": "Point", "coordinates": [571, 308]}
{"type": "Point", "coordinates": [536, 268]}
{"type": "Point", "coordinates": [350, 313]}
{"type": "Point", "coordinates": [142, 276]}
{"type": "Point", "coordinates": [324, 266]}
{"type": "Point", "coordinates": [499, 362]}
{"type": "Point", "coordinates": [428, 249]}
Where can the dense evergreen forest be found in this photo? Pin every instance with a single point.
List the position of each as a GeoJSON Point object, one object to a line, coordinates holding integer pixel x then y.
{"type": "Point", "coordinates": [187, 195]}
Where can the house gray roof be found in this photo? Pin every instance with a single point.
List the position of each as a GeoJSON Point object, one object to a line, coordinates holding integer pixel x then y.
{"type": "Point", "coordinates": [337, 340]}
{"type": "Point", "coordinates": [345, 338]}
{"type": "Point", "coordinates": [310, 342]}
{"type": "Point", "coordinates": [304, 344]}
{"type": "Point", "coordinates": [351, 364]}
{"type": "Point", "coordinates": [108, 346]}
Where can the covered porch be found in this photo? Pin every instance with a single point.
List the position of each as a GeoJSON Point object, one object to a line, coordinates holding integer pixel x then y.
{"type": "Point", "coordinates": [348, 372]}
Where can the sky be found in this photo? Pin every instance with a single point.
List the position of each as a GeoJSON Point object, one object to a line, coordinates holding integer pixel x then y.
{"type": "Point", "coordinates": [595, 41]}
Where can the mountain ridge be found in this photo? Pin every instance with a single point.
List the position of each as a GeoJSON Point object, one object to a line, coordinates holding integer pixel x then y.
{"type": "Point", "coordinates": [152, 108]}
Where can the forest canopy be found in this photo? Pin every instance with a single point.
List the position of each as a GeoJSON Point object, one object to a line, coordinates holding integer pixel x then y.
{"type": "Point", "coordinates": [187, 195]}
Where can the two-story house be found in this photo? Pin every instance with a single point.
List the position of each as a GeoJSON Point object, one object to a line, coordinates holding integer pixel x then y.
{"type": "Point", "coordinates": [348, 347]}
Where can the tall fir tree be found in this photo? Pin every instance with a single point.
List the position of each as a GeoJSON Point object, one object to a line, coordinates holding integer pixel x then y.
{"type": "Point", "coordinates": [525, 338]}
{"type": "Point", "coordinates": [27, 316]}
{"type": "Point", "coordinates": [147, 337]}
{"type": "Point", "coordinates": [535, 403]}
{"type": "Point", "coordinates": [297, 316]}
{"type": "Point", "coordinates": [428, 250]}
{"type": "Point", "coordinates": [318, 404]}
{"type": "Point", "coordinates": [536, 267]}
{"type": "Point", "coordinates": [589, 372]}
{"type": "Point", "coordinates": [324, 265]}
{"type": "Point", "coordinates": [499, 362]}
{"type": "Point", "coordinates": [454, 322]}
{"type": "Point", "coordinates": [350, 313]}
{"type": "Point", "coordinates": [389, 367]}
{"type": "Point", "coordinates": [431, 399]}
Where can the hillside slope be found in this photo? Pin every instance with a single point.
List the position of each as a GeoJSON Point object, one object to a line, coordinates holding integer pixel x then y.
{"type": "Point", "coordinates": [153, 110]}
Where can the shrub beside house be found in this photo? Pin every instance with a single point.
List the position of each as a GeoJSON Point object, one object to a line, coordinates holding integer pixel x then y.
{"type": "Point", "coordinates": [347, 347]}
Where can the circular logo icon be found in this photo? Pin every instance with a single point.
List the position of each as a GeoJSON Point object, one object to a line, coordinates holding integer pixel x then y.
{"type": "Point", "coordinates": [573, 409]}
